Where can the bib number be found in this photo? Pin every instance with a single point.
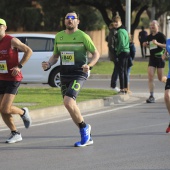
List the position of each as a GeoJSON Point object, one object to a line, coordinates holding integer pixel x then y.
{"type": "Point", "coordinates": [67, 58]}
{"type": "Point", "coordinates": [152, 46]}
{"type": "Point", "coordinates": [3, 67]}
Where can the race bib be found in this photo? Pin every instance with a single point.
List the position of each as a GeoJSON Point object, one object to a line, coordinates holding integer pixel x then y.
{"type": "Point", "coordinates": [67, 58]}
{"type": "Point", "coordinates": [3, 67]}
{"type": "Point", "coordinates": [152, 45]}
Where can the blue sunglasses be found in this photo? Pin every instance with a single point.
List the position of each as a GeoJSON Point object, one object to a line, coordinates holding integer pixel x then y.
{"type": "Point", "coordinates": [70, 17]}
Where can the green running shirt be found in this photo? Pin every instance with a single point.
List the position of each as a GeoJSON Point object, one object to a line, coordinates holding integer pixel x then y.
{"type": "Point", "coordinates": [73, 49]}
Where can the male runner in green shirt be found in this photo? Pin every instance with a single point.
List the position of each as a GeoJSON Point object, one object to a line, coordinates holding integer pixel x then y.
{"type": "Point", "coordinates": [71, 45]}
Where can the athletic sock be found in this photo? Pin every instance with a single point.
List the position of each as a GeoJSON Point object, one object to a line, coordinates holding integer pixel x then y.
{"type": "Point", "coordinates": [82, 125]}
{"type": "Point", "coordinates": [151, 94]}
{"type": "Point", "coordinates": [15, 132]}
{"type": "Point", "coordinates": [23, 113]}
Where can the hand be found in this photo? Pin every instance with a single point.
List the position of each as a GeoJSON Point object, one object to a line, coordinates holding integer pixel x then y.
{"type": "Point", "coordinates": [155, 42]}
{"type": "Point", "coordinates": [85, 68]}
{"type": "Point", "coordinates": [46, 65]}
{"type": "Point", "coordinates": [15, 71]}
{"type": "Point", "coordinates": [163, 56]}
{"type": "Point", "coordinates": [145, 44]}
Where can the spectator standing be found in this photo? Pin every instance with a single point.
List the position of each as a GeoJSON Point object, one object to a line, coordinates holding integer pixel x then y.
{"type": "Point", "coordinates": [142, 38]}
{"type": "Point", "coordinates": [122, 51]}
{"type": "Point", "coordinates": [130, 60]}
{"type": "Point", "coordinates": [112, 55]}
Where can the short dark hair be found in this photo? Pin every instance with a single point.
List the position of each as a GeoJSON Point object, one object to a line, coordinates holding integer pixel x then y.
{"type": "Point", "coordinates": [116, 18]}
{"type": "Point", "coordinates": [75, 13]}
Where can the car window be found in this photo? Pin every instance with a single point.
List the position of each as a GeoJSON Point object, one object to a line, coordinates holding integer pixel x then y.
{"type": "Point", "coordinates": [22, 39]}
{"type": "Point", "coordinates": [38, 43]}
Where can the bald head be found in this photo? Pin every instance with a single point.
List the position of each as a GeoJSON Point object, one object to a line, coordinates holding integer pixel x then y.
{"type": "Point", "coordinates": [155, 22]}
{"type": "Point", "coordinates": [154, 26]}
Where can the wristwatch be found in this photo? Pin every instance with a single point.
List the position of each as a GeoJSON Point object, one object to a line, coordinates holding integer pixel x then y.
{"type": "Point", "coordinates": [20, 65]}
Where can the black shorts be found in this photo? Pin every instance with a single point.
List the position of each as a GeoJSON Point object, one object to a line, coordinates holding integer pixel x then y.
{"type": "Point", "coordinates": [10, 87]}
{"type": "Point", "coordinates": [156, 62]}
{"type": "Point", "coordinates": [71, 86]}
{"type": "Point", "coordinates": [167, 85]}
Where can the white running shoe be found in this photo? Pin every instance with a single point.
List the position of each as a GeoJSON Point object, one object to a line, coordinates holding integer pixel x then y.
{"type": "Point", "coordinates": [15, 137]}
{"type": "Point", "coordinates": [116, 89]}
{"type": "Point", "coordinates": [26, 118]}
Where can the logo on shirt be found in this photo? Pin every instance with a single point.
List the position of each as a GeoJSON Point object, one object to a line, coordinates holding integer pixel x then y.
{"type": "Point", "coordinates": [61, 38]}
{"type": "Point", "coordinates": [3, 52]}
{"type": "Point", "coordinates": [74, 38]}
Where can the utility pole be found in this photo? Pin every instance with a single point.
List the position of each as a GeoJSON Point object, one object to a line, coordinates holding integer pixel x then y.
{"type": "Point", "coordinates": [128, 16]}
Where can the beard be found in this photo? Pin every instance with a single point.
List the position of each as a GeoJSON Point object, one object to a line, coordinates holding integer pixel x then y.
{"type": "Point", "coordinates": [70, 27]}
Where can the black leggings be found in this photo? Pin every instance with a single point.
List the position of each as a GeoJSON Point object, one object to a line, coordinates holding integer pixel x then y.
{"type": "Point", "coordinates": [122, 69]}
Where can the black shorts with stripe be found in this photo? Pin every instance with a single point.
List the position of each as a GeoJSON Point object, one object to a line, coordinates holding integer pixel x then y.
{"type": "Point", "coordinates": [71, 86]}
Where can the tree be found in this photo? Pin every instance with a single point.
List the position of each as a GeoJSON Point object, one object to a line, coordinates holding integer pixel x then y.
{"type": "Point", "coordinates": [118, 6]}
{"type": "Point", "coordinates": [114, 7]}
{"type": "Point", "coordinates": [12, 12]}
{"type": "Point", "coordinates": [161, 6]}
{"type": "Point", "coordinates": [56, 10]}
{"type": "Point", "coordinates": [15, 11]}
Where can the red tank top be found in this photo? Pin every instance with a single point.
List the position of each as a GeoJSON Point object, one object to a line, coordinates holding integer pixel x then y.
{"type": "Point", "coordinates": [8, 59]}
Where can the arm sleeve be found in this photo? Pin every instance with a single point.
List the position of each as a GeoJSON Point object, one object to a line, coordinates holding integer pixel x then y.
{"type": "Point", "coordinates": [89, 44]}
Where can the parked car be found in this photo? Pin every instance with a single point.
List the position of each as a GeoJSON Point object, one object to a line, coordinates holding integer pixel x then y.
{"type": "Point", "coordinates": [42, 46]}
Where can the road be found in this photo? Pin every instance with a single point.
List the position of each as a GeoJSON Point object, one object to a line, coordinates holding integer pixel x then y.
{"type": "Point", "coordinates": [127, 136]}
{"type": "Point", "coordinates": [136, 85]}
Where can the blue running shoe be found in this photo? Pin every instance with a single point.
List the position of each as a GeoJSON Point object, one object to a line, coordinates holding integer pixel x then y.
{"type": "Point", "coordinates": [85, 137]}
{"type": "Point", "coordinates": [78, 144]}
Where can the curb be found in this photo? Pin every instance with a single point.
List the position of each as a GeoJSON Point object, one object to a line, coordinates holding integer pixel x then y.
{"type": "Point", "coordinates": [108, 76]}
{"type": "Point", "coordinates": [60, 111]}
{"type": "Point", "coordinates": [83, 106]}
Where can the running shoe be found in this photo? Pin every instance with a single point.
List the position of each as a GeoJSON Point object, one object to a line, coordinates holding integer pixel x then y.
{"type": "Point", "coordinates": [116, 89]}
{"type": "Point", "coordinates": [151, 99]}
{"type": "Point", "coordinates": [85, 137]}
{"type": "Point", "coordinates": [26, 118]}
{"type": "Point", "coordinates": [122, 92]}
{"type": "Point", "coordinates": [15, 137]}
{"type": "Point", "coordinates": [78, 144]}
{"type": "Point", "coordinates": [168, 129]}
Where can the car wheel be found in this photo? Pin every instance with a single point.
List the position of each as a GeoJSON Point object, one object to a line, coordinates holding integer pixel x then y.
{"type": "Point", "coordinates": [54, 78]}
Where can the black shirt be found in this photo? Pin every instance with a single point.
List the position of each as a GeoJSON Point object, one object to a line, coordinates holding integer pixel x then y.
{"type": "Point", "coordinates": [159, 37]}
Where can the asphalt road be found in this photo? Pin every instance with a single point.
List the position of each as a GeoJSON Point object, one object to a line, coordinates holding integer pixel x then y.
{"type": "Point", "coordinates": [136, 85]}
{"type": "Point", "coordinates": [127, 136]}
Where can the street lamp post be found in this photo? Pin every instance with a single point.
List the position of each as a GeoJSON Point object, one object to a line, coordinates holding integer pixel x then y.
{"type": "Point", "coordinates": [168, 26]}
{"type": "Point", "coordinates": [128, 15]}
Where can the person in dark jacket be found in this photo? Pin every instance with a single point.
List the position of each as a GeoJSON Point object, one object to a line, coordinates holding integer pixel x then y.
{"type": "Point", "coordinates": [142, 38]}
{"type": "Point", "coordinates": [112, 55]}
{"type": "Point", "coordinates": [130, 60]}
